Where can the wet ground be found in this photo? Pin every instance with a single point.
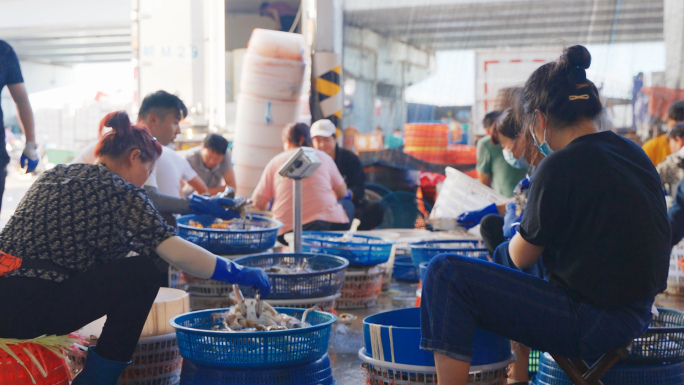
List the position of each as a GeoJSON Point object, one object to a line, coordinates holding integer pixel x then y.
{"type": "Point", "coordinates": [347, 339]}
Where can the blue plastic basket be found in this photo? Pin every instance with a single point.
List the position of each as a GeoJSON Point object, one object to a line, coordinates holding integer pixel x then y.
{"type": "Point", "coordinates": [325, 281]}
{"type": "Point", "coordinates": [671, 374]}
{"type": "Point", "coordinates": [251, 236]}
{"type": "Point", "coordinates": [252, 349]}
{"type": "Point", "coordinates": [361, 250]}
{"type": "Point", "coordinates": [488, 348]}
{"type": "Point", "coordinates": [404, 270]}
{"type": "Point", "coordinates": [663, 341]}
{"type": "Point", "coordinates": [314, 373]}
{"type": "Point", "coordinates": [424, 251]}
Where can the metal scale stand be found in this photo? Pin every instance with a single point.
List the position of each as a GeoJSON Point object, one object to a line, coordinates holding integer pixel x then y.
{"type": "Point", "coordinates": [300, 165]}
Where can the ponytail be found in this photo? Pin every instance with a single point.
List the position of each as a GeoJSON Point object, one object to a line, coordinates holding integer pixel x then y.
{"type": "Point", "coordinates": [297, 134]}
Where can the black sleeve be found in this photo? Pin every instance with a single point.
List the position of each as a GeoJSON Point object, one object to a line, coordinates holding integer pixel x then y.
{"type": "Point", "coordinates": [356, 179]}
{"type": "Point", "coordinates": [547, 205]}
{"type": "Point", "coordinates": [167, 203]}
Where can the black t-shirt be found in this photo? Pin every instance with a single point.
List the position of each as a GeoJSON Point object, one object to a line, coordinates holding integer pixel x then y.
{"type": "Point", "coordinates": [598, 208]}
{"type": "Point", "coordinates": [350, 167]}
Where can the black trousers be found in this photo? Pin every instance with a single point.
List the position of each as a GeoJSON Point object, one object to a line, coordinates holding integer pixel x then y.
{"type": "Point", "coordinates": [491, 230]}
{"type": "Point", "coordinates": [123, 290]}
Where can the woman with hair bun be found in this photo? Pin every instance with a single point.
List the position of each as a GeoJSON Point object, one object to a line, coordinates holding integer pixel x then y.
{"type": "Point", "coordinates": [596, 217]}
{"type": "Point", "coordinates": [63, 258]}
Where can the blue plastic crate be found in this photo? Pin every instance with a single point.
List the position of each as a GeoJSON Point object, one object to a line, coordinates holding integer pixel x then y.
{"type": "Point", "coordinates": [424, 251]}
{"type": "Point", "coordinates": [361, 250]}
{"type": "Point", "coordinates": [404, 270]}
{"type": "Point", "coordinates": [663, 341]}
{"type": "Point", "coordinates": [327, 278]}
{"type": "Point", "coordinates": [266, 349]}
{"type": "Point", "coordinates": [252, 235]}
{"type": "Point", "coordinates": [314, 373]}
{"type": "Point", "coordinates": [621, 374]}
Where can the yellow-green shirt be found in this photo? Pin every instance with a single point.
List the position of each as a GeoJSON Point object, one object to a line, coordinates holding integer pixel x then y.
{"type": "Point", "coordinates": [657, 148]}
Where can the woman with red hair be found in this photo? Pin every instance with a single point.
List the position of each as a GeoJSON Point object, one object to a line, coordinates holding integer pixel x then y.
{"type": "Point", "coordinates": [67, 250]}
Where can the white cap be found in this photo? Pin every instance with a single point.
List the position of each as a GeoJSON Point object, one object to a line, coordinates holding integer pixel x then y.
{"type": "Point", "coordinates": [323, 127]}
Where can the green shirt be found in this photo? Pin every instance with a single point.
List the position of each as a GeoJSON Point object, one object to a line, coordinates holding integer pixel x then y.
{"type": "Point", "coordinates": [490, 161]}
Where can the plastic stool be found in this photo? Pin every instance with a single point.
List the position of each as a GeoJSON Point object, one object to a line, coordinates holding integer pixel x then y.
{"type": "Point", "coordinates": [581, 374]}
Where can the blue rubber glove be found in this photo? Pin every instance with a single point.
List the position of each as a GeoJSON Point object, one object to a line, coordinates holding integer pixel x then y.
{"type": "Point", "coordinates": [230, 272]}
{"type": "Point", "coordinates": [511, 221]}
{"type": "Point", "coordinates": [523, 185]}
{"type": "Point", "coordinates": [217, 206]}
{"type": "Point", "coordinates": [29, 158]}
{"type": "Point", "coordinates": [472, 218]}
{"type": "Point", "coordinates": [349, 195]}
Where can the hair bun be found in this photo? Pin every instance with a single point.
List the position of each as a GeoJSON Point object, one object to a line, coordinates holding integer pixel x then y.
{"type": "Point", "coordinates": [577, 56]}
{"type": "Point", "coordinates": [117, 121]}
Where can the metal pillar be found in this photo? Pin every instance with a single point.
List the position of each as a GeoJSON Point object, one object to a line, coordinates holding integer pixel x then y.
{"type": "Point", "coordinates": [297, 213]}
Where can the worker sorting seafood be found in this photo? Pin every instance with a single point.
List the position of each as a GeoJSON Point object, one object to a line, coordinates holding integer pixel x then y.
{"type": "Point", "coordinates": [63, 259]}
{"type": "Point", "coordinates": [595, 215]}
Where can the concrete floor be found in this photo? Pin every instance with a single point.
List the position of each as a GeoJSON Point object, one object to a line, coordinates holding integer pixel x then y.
{"type": "Point", "coordinates": [346, 339]}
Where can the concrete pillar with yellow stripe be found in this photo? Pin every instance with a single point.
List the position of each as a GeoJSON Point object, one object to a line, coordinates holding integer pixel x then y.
{"type": "Point", "coordinates": [327, 69]}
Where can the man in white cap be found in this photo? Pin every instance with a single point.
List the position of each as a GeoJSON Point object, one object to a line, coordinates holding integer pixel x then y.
{"type": "Point", "coordinates": [323, 135]}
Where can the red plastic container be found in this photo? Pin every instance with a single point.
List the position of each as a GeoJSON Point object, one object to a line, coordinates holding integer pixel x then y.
{"type": "Point", "coordinates": [13, 373]}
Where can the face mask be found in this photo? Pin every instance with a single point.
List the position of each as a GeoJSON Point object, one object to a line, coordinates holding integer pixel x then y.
{"type": "Point", "coordinates": [544, 147]}
{"type": "Point", "coordinates": [520, 163]}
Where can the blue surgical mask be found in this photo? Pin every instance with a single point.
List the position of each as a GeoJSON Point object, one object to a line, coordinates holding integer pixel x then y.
{"type": "Point", "coordinates": [520, 163]}
{"type": "Point", "coordinates": [544, 148]}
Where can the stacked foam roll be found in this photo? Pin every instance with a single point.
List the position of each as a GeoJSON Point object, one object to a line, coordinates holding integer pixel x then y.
{"type": "Point", "coordinates": [427, 141]}
{"type": "Point", "coordinates": [270, 89]}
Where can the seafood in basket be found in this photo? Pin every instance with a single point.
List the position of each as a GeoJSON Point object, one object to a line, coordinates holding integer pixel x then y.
{"type": "Point", "coordinates": [255, 315]}
{"type": "Point", "coordinates": [243, 224]}
{"type": "Point", "coordinates": [290, 268]}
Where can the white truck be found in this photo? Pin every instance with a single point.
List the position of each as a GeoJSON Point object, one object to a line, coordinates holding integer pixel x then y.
{"type": "Point", "coordinates": [496, 70]}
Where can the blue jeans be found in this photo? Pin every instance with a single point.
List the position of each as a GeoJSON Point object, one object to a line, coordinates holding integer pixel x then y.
{"type": "Point", "coordinates": [461, 294]}
{"type": "Point", "coordinates": [500, 256]}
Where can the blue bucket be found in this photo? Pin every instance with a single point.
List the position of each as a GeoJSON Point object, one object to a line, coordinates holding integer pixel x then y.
{"type": "Point", "coordinates": [404, 270]}
{"type": "Point", "coordinates": [488, 348]}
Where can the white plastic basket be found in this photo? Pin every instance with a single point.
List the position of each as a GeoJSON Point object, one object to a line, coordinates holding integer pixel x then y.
{"type": "Point", "coordinates": [461, 193]}
{"type": "Point", "coordinates": [156, 361]}
{"type": "Point", "coordinates": [325, 303]}
{"type": "Point", "coordinates": [381, 372]}
{"type": "Point", "coordinates": [675, 278]}
{"type": "Point", "coordinates": [361, 287]}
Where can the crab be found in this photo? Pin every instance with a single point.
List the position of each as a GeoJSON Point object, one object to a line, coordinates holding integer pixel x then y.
{"type": "Point", "coordinates": [253, 314]}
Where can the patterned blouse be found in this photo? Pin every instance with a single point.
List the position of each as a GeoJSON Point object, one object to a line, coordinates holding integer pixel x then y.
{"type": "Point", "coordinates": [78, 217]}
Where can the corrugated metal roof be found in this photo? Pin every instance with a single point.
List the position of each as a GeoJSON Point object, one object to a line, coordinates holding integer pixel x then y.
{"type": "Point", "coordinates": [460, 24]}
